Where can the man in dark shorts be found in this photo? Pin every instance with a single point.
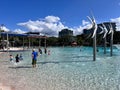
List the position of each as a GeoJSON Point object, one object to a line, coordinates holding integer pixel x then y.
{"type": "Point", "coordinates": [34, 58]}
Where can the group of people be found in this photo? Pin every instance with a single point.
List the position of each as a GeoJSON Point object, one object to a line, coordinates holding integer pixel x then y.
{"type": "Point", "coordinates": [34, 56]}
{"type": "Point", "coordinates": [45, 51]}
{"type": "Point", "coordinates": [17, 58]}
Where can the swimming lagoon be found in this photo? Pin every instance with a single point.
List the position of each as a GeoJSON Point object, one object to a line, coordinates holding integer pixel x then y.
{"type": "Point", "coordinates": [66, 68]}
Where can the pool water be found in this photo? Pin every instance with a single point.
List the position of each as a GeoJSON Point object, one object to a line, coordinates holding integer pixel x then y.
{"type": "Point", "coordinates": [73, 68]}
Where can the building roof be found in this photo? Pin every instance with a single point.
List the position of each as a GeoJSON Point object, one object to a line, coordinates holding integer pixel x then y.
{"type": "Point", "coordinates": [13, 34]}
{"type": "Point", "coordinates": [22, 35]}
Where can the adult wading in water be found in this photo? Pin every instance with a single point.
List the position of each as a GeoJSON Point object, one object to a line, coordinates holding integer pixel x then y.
{"type": "Point", "coordinates": [34, 58]}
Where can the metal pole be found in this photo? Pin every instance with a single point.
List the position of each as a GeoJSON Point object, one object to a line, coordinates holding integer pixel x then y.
{"type": "Point", "coordinates": [7, 41]}
{"type": "Point", "coordinates": [45, 41]}
{"type": "Point", "coordinates": [14, 42]}
{"type": "Point", "coordinates": [23, 43]}
{"type": "Point", "coordinates": [39, 39]}
{"type": "Point", "coordinates": [105, 45]}
{"type": "Point", "coordinates": [29, 42]}
{"type": "Point", "coordinates": [0, 31]}
{"type": "Point", "coordinates": [32, 42]}
{"type": "Point", "coordinates": [94, 48]}
{"type": "Point", "coordinates": [39, 42]}
{"type": "Point", "coordinates": [111, 44]}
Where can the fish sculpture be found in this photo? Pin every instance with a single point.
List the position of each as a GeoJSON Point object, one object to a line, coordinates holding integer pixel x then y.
{"type": "Point", "coordinates": [111, 29]}
{"type": "Point", "coordinates": [105, 30]}
{"type": "Point", "coordinates": [94, 25]}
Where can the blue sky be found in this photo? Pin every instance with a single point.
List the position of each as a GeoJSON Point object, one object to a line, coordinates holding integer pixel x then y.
{"type": "Point", "coordinates": [53, 15]}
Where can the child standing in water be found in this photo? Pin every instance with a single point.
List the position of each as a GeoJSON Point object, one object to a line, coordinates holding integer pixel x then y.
{"type": "Point", "coordinates": [21, 57]}
{"type": "Point", "coordinates": [11, 58]}
{"type": "Point", "coordinates": [48, 52]}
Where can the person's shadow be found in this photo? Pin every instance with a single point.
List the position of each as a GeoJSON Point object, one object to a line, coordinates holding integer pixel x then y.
{"type": "Point", "coordinates": [17, 67]}
{"type": "Point", "coordinates": [57, 62]}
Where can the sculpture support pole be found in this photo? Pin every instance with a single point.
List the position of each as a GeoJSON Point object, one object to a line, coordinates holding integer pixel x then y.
{"type": "Point", "coordinates": [45, 42]}
{"type": "Point", "coordinates": [111, 45]}
{"type": "Point", "coordinates": [94, 48]}
{"type": "Point", "coordinates": [105, 45]}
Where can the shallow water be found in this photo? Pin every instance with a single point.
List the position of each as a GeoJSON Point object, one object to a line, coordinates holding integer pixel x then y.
{"type": "Point", "coordinates": [67, 68]}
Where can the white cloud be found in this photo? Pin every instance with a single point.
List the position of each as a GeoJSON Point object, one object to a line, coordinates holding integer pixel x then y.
{"type": "Point", "coordinates": [50, 25]}
{"type": "Point", "coordinates": [19, 31]}
{"type": "Point", "coordinates": [85, 22]}
{"type": "Point", "coordinates": [52, 19]}
{"type": "Point", "coordinates": [117, 21]}
{"type": "Point", "coordinates": [79, 30]}
{"type": "Point", "coordinates": [5, 29]}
